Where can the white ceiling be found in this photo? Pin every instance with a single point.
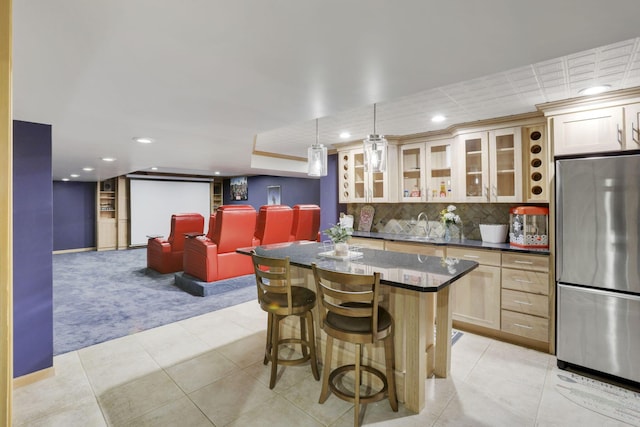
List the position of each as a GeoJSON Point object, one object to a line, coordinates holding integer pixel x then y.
{"type": "Point", "coordinates": [205, 78]}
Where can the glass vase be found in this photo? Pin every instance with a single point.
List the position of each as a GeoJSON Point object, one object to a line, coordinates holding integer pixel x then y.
{"type": "Point", "coordinates": [447, 233]}
{"type": "Point", "coordinates": [341, 249]}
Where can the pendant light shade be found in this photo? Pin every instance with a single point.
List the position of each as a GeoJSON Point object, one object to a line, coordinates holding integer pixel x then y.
{"type": "Point", "coordinates": [375, 149]}
{"type": "Point", "coordinates": [317, 157]}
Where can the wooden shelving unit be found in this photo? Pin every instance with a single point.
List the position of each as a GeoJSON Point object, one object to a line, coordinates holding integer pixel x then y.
{"type": "Point", "coordinates": [112, 217]}
{"type": "Point", "coordinates": [216, 195]}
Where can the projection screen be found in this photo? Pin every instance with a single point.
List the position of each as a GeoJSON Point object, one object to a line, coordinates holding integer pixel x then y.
{"type": "Point", "coordinates": [154, 201]}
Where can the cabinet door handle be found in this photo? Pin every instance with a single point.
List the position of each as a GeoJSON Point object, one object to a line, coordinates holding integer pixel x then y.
{"type": "Point", "coordinates": [635, 134]}
{"type": "Point", "coordinates": [522, 281]}
{"type": "Point", "coordinates": [523, 262]}
{"type": "Point", "coordinates": [522, 302]}
{"type": "Point", "coordinates": [522, 326]}
{"type": "Point", "coordinates": [471, 256]}
{"type": "Point", "coordinates": [619, 134]}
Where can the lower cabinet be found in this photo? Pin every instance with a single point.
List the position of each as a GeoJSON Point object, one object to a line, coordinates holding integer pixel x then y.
{"type": "Point", "coordinates": [475, 298]}
{"type": "Point", "coordinates": [525, 295]}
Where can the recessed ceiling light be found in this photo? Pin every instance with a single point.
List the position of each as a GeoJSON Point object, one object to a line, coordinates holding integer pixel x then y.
{"type": "Point", "coordinates": [74, 175]}
{"type": "Point", "coordinates": [438, 118]}
{"type": "Point", "coordinates": [594, 90]}
{"type": "Point", "coordinates": [216, 173]}
{"type": "Point", "coordinates": [108, 159]}
{"type": "Point", "coordinates": [87, 169]}
{"type": "Point", "coordinates": [143, 139]}
{"type": "Point", "coordinates": [344, 135]}
{"type": "Point", "coordinates": [65, 179]}
{"type": "Point", "coordinates": [154, 168]}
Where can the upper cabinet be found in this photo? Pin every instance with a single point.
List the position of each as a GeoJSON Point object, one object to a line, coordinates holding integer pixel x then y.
{"type": "Point", "coordinates": [589, 131]}
{"type": "Point", "coordinates": [358, 184]}
{"type": "Point", "coordinates": [608, 122]}
{"type": "Point", "coordinates": [426, 172]}
{"type": "Point", "coordinates": [492, 170]}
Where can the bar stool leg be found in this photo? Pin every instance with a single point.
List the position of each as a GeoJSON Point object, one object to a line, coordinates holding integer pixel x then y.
{"type": "Point", "coordinates": [312, 346]}
{"type": "Point", "coordinates": [274, 350]}
{"type": "Point", "coordinates": [326, 370]}
{"type": "Point", "coordinates": [303, 336]}
{"type": "Point", "coordinates": [356, 387]}
{"type": "Point", "coordinates": [389, 355]}
{"type": "Point", "coordinates": [267, 350]}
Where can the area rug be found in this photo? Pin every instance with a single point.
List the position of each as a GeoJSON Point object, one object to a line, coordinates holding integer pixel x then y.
{"type": "Point", "coordinates": [606, 399]}
{"type": "Point", "coordinates": [99, 296]}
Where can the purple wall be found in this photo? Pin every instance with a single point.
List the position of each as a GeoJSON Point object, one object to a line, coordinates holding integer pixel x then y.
{"type": "Point", "coordinates": [329, 196]}
{"type": "Point", "coordinates": [293, 191]}
{"type": "Point", "coordinates": [74, 215]}
{"type": "Point", "coordinates": [32, 245]}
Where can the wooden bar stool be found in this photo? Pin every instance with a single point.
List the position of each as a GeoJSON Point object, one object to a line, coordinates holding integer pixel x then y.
{"type": "Point", "coordinates": [350, 313]}
{"type": "Point", "coordinates": [279, 299]}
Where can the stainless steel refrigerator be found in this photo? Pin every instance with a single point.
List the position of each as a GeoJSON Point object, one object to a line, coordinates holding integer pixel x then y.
{"type": "Point", "coordinates": [598, 262]}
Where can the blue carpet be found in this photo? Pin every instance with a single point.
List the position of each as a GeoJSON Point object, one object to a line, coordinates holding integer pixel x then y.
{"type": "Point", "coordinates": [99, 296]}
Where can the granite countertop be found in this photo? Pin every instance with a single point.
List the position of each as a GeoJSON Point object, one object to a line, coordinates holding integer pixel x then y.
{"type": "Point", "coordinates": [478, 244]}
{"type": "Point", "coordinates": [410, 271]}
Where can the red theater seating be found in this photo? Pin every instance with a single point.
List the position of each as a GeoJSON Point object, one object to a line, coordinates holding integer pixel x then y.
{"type": "Point", "coordinates": [215, 258]}
{"type": "Point", "coordinates": [165, 256]}
{"type": "Point", "coordinates": [274, 224]}
{"type": "Point", "coordinates": [306, 223]}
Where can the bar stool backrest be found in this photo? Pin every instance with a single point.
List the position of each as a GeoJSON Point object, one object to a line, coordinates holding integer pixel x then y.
{"type": "Point", "coordinates": [349, 295]}
{"type": "Point", "coordinates": [273, 275]}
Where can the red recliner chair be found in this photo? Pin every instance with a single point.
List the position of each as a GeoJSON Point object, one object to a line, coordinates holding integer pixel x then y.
{"type": "Point", "coordinates": [274, 224]}
{"type": "Point", "coordinates": [306, 223]}
{"type": "Point", "coordinates": [215, 258]}
{"type": "Point", "coordinates": [165, 256]}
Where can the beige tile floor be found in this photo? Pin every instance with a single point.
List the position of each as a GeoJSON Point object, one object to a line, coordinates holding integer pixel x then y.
{"type": "Point", "coordinates": [208, 371]}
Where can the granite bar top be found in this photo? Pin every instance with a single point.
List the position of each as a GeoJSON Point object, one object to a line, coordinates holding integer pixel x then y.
{"type": "Point", "coordinates": [478, 244]}
{"type": "Point", "coordinates": [416, 272]}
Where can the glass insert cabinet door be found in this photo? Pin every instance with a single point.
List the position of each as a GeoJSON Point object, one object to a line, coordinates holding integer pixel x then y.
{"type": "Point", "coordinates": [476, 165]}
{"type": "Point", "coordinates": [412, 168]}
{"type": "Point", "coordinates": [505, 160]}
{"type": "Point", "coordinates": [440, 177]}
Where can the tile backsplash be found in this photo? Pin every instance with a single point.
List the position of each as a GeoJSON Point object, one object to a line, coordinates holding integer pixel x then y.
{"type": "Point", "coordinates": [472, 214]}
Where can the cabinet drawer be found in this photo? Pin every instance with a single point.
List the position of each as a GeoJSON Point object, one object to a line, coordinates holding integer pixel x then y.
{"type": "Point", "coordinates": [525, 325]}
{"type": "Point", "coordinates": [527, 281]}
{"type": "Point", "coordinates": [526, 261]}
{"type": "Point", "coordinates": [479, 256]}
{"type": "Point", "coordinates": [524, 302]}
{"type": "Point", "coordinates": [414, 248]}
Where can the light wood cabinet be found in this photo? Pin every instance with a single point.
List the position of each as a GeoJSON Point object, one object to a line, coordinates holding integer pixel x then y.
{"type": "Point", "coordinates": [106, 227]}
{"type": "Point", "coordinates": [412, 173]}
{"type": "Point", "coordinates": [632, 126]}
{"type": "Point", "coordinates": [525, 295]}
{"type": "Point", "coordinates": [475, 297]}
{"type": "Point", "coordinates": [492, 166]}
{"type": "Point", "coordinates": [415, 248]}
{"type": "Point", "coordinates": [359, 185]}
{"type": "Point", "coordinates": [216, 195]}
{"type": "Point", "coordinates": [112, 218]}
{"type": "Point", "coordinates": [589, 131]}
{"type": "Point", "coordinates": [367, 243]}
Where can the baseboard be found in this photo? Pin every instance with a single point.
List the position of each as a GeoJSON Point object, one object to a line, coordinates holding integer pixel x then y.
{"type": "Point", "coordinates": [33, 377]}
{"type": "Point", "coordinates": [68, 251]}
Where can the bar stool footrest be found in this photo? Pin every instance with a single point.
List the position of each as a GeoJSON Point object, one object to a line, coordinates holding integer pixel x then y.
{"type": "Point", "coordinates": [293, 362]}
{"type": "Point", "coordinates": [350, 397]}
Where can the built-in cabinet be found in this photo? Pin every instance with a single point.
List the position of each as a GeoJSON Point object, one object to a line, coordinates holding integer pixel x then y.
{"type": "Point", "coordinates": [608, 122]}
{"type": "Point", "coordinates": [216, 195]}
{"type": "Point", "coordinates": [525, 295]}
{"type": "Point", "coordinates": [112, 228]}
{"type": "Point", "coordinates": [507, 296]}
{"type": "Point", "coordinates": [475, 297]}
{"type": "Point", "coordinates": [427, 172]}
{"type": "Point", "coordinates": [492, 166]}
{"type": "Point", "coordinates": [359, 184]}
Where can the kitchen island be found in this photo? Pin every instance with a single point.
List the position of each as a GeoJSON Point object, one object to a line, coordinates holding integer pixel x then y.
{"type": "Point", "coordinates": [416, 292]}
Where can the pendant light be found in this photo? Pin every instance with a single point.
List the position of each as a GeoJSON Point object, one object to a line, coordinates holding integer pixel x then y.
{"type": "Point", "coordinates": [375, 149]}
{"type": "Point", "coordinates": [317, 157]}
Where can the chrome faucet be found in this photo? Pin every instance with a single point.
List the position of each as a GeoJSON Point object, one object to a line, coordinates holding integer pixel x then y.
{"type": "Point", "coordinates": [426, 228]}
